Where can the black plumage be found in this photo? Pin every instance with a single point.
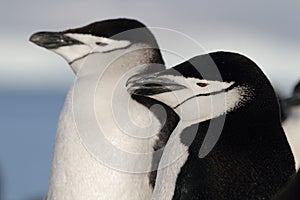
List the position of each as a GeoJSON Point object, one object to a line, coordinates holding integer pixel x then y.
{"type": "Point", "coordinates": [291, 191]}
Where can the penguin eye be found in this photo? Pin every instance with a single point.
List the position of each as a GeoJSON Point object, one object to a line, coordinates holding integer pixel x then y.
{"type": "Point", "coordinates": [202, 84]}
{"type": "Point", "coordinates": [102, 44]}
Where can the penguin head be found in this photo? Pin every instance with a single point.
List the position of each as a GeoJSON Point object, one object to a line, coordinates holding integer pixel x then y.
{"type": "Point", "coordinates": [99, 37]}
{"type": "Point", "coordinates": [211, 85]}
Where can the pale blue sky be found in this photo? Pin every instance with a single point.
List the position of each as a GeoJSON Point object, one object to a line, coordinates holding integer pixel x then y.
{"type": "Point", "coordinates": [266, 31]}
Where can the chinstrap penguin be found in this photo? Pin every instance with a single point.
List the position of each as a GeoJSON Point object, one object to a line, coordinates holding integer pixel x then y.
{"type": "Point", "coordinates": [251, 158]}
{"type": "Point", "coordinates": [103, 48]}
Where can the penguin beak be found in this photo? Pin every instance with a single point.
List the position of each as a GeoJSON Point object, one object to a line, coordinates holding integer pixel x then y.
{"type": "Point", "coordinates": [52, 40]}
{"type": "Point", "coordinates": [147, 85]}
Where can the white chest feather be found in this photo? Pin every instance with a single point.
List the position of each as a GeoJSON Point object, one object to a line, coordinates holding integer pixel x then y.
{"type": "Point", "coordinates": [174, 156]}
{"type": "Point", "coordinates": [78, 172]}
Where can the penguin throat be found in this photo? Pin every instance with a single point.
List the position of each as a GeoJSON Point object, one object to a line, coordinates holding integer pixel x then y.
{"type": "Point", "coordinates": [207, 94]}
{"type": "Point", "coordinates": [210, 106]}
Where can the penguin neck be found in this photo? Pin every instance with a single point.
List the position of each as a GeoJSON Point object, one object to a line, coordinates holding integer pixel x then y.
{"type": "Point", "coordinates": [132, 57]}
{"type": "Point", "coordinates": [100, 87]}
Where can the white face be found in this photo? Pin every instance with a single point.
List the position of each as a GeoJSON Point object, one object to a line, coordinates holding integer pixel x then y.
{"type": "Point", "coordinates": [201, 100]}
{"type": "Point", "coordinates": [91, 44]}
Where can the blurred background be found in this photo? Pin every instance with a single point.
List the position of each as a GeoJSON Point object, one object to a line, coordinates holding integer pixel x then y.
{"type": "Point", "coordinates": [34, 82]}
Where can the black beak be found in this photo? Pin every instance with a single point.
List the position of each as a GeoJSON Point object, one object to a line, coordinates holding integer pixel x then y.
{"type": "Point", "coordinates": [152, 84]}
{"type": "Point", "coordinates": [52, 40]}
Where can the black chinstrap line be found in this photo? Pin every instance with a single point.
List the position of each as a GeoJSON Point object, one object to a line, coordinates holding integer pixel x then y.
{"type": "Point", "coordinates": [108, 51]}
{"type": "Point", "coordinates": [70, 63]}
{"type": "Point", "coordinates": [207, 94]}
